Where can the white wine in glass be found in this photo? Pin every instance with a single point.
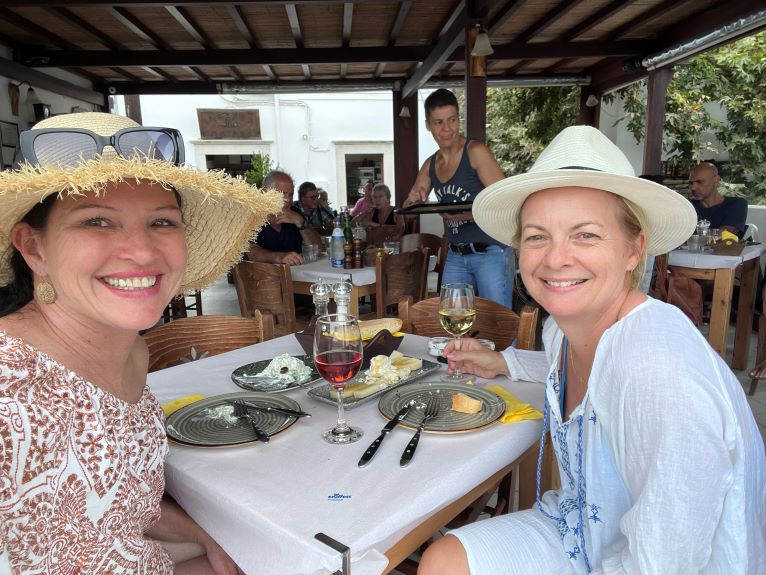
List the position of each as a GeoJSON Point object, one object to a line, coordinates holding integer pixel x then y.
{"type": "Point", "coordinates": [338, 357]}
{"type": "Point", "coordinates": [456, 314]}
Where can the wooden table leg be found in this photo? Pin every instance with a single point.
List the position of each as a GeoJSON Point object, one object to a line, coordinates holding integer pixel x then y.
{"type": "Point", "coordinates": [745, 310]}
{"type": "Point", "coordinates": [353, 305]}
{"type": "Point", "coordinates": [723, 286]}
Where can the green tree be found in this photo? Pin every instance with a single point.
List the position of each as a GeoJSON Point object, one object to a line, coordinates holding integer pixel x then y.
{"type": "Point", "coordinates": [521, 121]}
{"type": "Point", "coordinates": [261, 166]}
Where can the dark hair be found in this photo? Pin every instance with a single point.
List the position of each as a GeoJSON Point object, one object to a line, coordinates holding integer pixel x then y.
{"type": "Point", "coordinates": [442, 97]}
{"type": "Point", "coordinates": [305, 188]}
{"type": "Point", "coordinates": [20, 291]}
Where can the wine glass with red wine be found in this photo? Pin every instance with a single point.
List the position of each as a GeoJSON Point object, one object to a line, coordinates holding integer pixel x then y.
{"type": "Point", "coordinates": [338, 357]}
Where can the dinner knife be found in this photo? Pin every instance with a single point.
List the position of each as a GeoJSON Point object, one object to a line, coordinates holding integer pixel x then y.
{"type": "Point", "coordinates": [368, 455]}
{"type": "Point", "coordinates": [275, 409]}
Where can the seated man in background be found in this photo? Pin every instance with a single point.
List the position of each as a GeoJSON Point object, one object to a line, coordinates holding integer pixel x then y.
{"type": "Point", "coordinates": [314, 214]}
{"type": "Point", "coordinates": [281, 241]}
{"type": "Point", "coordinates": [723, 212]}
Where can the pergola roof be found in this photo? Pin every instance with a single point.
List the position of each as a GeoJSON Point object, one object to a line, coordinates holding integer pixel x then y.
{"type": "Point", "coordinates": [193, 46]}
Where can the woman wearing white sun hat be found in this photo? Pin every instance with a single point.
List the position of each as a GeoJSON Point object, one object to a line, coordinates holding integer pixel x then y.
{"type": "Point", "coordinates": [662, 465]}
{"type": "Point", "coordinates": [99, 229]}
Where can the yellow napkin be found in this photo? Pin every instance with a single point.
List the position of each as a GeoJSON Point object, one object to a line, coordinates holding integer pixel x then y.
{"type": "Point", "coordinates": [515, 409]}
{"type": "Point", "coordinates": [728, 236]}
{"type": "Point", "coordinates": [177, 404]}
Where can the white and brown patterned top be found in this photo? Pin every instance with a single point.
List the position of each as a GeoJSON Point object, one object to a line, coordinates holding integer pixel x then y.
{"type": "Point", "coordinates": [81, 471]}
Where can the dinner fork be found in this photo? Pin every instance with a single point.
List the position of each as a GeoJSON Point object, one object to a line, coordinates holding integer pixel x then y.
{"type": "Point", "coordinates": [241, 411]}
{"type": "Point", "coordinates": [431, 411]}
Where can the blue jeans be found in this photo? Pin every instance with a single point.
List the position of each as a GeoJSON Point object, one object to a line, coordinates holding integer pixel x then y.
{"type": "Point", "coordinates": [491, 273]}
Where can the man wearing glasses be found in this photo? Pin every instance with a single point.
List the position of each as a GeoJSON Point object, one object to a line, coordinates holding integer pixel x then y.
{"type": "Point", "coordinates": [281, 241]}
{"type": "Point", "coordinates": [314, 214]}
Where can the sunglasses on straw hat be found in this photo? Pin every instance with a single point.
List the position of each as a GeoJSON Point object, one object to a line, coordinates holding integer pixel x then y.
{"type": "Point", "coordinates": [70, 146]}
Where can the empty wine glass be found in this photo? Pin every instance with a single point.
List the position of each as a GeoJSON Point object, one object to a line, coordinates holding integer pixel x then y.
{"type": "Point", "coordinates": [456, 314]}
{"type": "Point", "coordinates": [338, 357]}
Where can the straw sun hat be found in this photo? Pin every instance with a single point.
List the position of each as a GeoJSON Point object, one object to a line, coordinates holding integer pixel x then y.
{"type": "Point", "coordinates": [221, 213]}
{"type": "Point", "coordinates": [582, 156]}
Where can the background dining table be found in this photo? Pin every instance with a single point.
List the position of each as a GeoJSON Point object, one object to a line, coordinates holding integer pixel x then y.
{"type": "Point", "coordinates": [721, 270]}
{"type": "Point", "coordinates": [265, 502]}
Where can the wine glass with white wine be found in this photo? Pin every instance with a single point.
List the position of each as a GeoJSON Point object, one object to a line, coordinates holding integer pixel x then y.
{"type": "Point", "coordinates": [456, 314]}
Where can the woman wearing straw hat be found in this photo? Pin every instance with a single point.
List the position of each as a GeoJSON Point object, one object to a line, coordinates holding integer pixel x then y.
{"type": "Point", "coordinates": [99, 229]}
{"type": "Point", "coordinates": [661, 462]}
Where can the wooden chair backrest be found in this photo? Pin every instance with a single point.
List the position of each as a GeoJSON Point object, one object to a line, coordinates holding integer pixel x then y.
{"type": "Point", "coordinates": [398, 276]}
{"type": "Point", "coordinates": [268, 288]}
{"type": "Point", "coordinates": [191, 338]}
{"type": "Point", "coordinates": [376, 235]}
{"type": "Point", "coordinates": [437, 246]}
{"type": "Point", "coordinates": [495, 322]}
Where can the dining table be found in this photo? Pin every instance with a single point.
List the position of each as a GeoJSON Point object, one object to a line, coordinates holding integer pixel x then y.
{"type": "Point", "coordinates": [722, 269]}
{"type": "Point", "coordinates": [270, 505]}
{"type": "Point", "coordinates": [363, 280]}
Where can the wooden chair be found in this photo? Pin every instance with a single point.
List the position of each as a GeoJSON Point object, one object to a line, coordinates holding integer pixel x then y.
{"type": "Point", "coordinates": [178, 308]}
{"type": "Point", "coordinates": [268, 288]}
{"type": "Point", "coordinates": [493, 321]}
{"type": "Point", "coordinates": [400, 276]}
{"type": "Point", "coordinates": [437, 246]}
{"type": "Point", "coordinates": [192, 338]}
{"type": "Point", "coordinates": [377, 235]}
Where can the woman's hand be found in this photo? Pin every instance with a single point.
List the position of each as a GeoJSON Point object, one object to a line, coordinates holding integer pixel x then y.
{"type": "Point", "coordinates": [220, 561]}
{"type": "Point", "coordinates": [475, 358]}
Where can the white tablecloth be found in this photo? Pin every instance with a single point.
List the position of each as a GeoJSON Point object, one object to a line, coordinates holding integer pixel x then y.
{"type": "Point", "coordinates": [711, 261]}
{"type": "Point", "coordinates": [264, 503]}
{"type": "Point", "coordinates": [321, 268]}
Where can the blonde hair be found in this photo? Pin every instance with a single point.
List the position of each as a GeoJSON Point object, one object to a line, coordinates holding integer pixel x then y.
{"type": "Point", "coordinates": [632, 222]}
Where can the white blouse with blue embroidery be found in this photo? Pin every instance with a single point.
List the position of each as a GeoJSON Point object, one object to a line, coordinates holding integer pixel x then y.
{"type": "Point", "coordinates": [662, 464]}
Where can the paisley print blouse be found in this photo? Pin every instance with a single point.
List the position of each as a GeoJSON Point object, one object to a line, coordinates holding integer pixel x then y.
{"type": "Point", "coordinates": [81, 472]}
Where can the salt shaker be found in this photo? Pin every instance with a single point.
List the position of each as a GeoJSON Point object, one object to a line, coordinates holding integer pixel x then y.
{"type": "Point", "coordinates": [342, 296]}
{"type": "Point", "coordinates": [320, 292]}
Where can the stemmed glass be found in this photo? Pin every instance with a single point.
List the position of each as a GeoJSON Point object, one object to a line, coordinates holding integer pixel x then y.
{"type": "Point", "coordinates": [338, 357]}
{"type": "Point", "coordinates": [456, 314]}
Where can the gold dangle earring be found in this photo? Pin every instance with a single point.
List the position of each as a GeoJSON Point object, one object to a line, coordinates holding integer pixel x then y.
{"type": "Point", "coordinates": [45, 292]}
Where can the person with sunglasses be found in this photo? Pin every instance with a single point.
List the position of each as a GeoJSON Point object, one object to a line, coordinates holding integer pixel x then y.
{"type": "Point", "coordinates": [100, 227]}
{"type": "Point", "coordinates": [314, 214]}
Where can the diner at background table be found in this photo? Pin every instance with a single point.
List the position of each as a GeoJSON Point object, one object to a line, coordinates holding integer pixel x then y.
{"type": "Point", "coordinates": [281, 241]}
{"type": "Point", "coordinates": [93, 248]}
{"type": "Point", "coordinates": [662, 464]}
{"type": "Point", "coordinates": [379, 212]}
{"type": "Point", "coordinates": [265, 503]}
{"type": "Point", "coordinates": [723, 212]}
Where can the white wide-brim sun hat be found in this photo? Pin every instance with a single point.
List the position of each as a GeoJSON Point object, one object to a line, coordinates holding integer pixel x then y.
{"type": "Point", "coordinates": [221, 213]}
{"type": "Point", "coordinates": [584, 157]}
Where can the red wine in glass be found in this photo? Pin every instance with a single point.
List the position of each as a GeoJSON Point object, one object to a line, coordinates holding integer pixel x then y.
{"type": "Point", "coordinates": [337, 367]}
{"type": "Point", "coordinates": [338, 357]}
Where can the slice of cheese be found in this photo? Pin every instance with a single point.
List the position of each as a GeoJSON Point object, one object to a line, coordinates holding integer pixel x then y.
{"type": "Point", "coordinates": [371, 327]}
{"type": "Point", "coordinates": [464, 404]}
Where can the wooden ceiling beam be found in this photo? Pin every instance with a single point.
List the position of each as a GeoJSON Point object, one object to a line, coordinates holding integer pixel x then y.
{"type": "Point", "coordinates": [653, 12]}
{"type": "Point", "coordinates": [556, 49]}
{"type": "Point", "coordinates": [348, 18]}
{"type": "Point", "coordinates": [237, 57]}
{"type": "Point", "coordinates": [125, 74]}
{"type": "Point", "coordinates": [393, 34]}
{"type": "Point", "coordinates": [295, 27]}
{"type": "Point", "coordinates": [21, 73]}
{"type": "Point", "coordinates": [159, 73]}
{"type": "Point", "coordinates": [608, 11]}
{"type": "Point", "coordinates": [138, 28]}
{"type": "Point", "coordinates": [503, 15]}
{"type": "Point", "coordinates": [548, 18]}
{"type": "Point", "coordinates": [247, 33]}
{"type": "Point", "coordinates": [453, 37]}
{"type": "Point", "coordinates": [163, 3]}
{"type": "Point", "coordinates": [74, 19]}
{"type": "Point", "coordinates": [183, 17]}
{"type": "Point", "coordinates": [17, 20]}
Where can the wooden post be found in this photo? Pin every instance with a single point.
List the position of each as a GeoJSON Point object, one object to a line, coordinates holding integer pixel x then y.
{"type": "Point", "coordinates": [475, 91]}
{"type": "Point", "coordinates": [405, 145]}
{"type": "Point", "coordinates": [655, 119]}
{"type": "Point", "coordinates": [589, 115]}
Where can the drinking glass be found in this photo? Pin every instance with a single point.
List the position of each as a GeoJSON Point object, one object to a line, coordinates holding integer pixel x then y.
{"type": "Point", "coordinates": [456, 314]}
{"type": "Point", "coordinates": [715, 235]}
{"type": "Point", "coordinates": [338, 357]}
